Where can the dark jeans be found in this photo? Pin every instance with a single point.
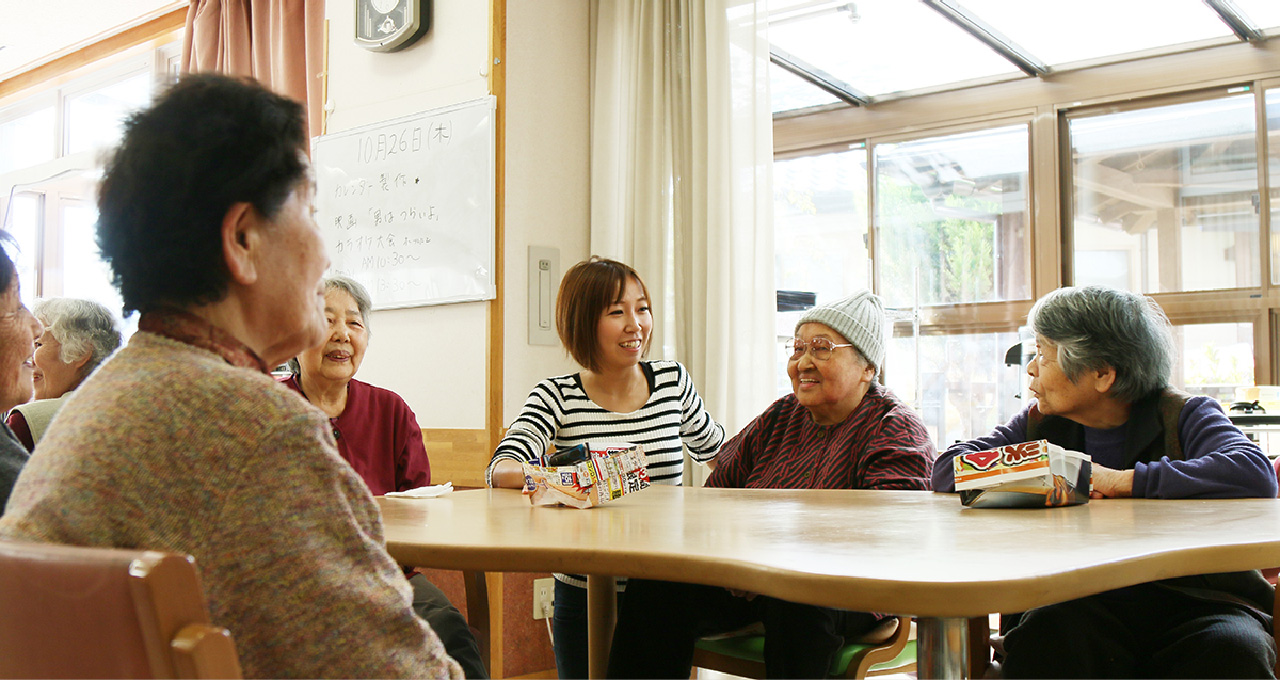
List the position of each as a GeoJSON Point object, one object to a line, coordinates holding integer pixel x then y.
{"type": "Point", "coordinates": [569, 625]}
{"type": "Point", "coordinates": [449, 624]}
{"type": "Point", "coordinates": [660, 621]}
{"type": "Point", "coordinates": [1144, 631]}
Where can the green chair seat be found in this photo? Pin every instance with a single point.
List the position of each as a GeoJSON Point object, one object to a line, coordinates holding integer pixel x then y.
{"type": "Point", "coordinates": [751, 648]}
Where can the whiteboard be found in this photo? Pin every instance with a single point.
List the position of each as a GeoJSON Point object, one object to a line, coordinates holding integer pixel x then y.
{"type": "Point", "coordinates": [406, 206]}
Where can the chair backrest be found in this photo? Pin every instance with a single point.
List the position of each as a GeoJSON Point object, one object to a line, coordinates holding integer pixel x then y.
{"type": "Point", "coordinates": [73, 612]}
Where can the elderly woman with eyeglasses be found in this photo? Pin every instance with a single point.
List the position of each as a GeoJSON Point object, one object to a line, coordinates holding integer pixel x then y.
{"type": "Point", "coordinates": [78, 336]}
{"type": "Point", "coordinates": [1101, 381]}
{"type": "Point", "coordinates": [839, 429]}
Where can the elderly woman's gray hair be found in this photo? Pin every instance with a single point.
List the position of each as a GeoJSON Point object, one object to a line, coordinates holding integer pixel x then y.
{"type": "Point", "coordinates": [357, 292]}
{"type": "Point", "coordinates": [1095, 327]}
{"type": "Point", "coordinates": [364, 304]}
{"type": "Point", "coordinates": [81, 327]}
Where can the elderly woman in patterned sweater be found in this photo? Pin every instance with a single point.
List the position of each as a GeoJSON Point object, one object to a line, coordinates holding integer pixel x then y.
{"type": "Point", "coordinates": [1101, 381]}
{"type": "Point", "coordinates": [183, 442]}
{"type": "Point", "coordinates": [839, 429]}
{"type": "Point", "coordinates": [604, 319]}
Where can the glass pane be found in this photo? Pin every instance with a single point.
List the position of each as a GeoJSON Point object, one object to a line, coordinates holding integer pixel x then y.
{"type": "Point", "coordinates": [1165, 197]}
{"type": "Point", "coordinates": [1092, 29]}
{"type": "Point", "coordinates": [94, 118]}
{"type": "Point", "coordinates": [1273, 175]}
{"type": "Point", "coordinates": [820, 231]}
{"type": "Point", "coordinates": [788, 91]}
{"type": "Point", "coordinates": [951, 216]}
{"type": "Point", "coordinates": [881, 47]}
{"type": "Point", "coordinates": [1264, 13]}
{"type": "Point", "coordinates": [965, 388]}
{"type": "Point", "coordinates": [23, 223]}
{"type": "Point", "coordinates": [27, 140]}
{"type": "Point", "coordinates": [84, 273]}
{"type": "Point", "coordinates": [1216, 359]}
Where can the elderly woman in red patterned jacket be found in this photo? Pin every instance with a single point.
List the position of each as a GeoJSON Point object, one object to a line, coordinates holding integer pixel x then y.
{"type": "Point", "coordinates": [839, 429]}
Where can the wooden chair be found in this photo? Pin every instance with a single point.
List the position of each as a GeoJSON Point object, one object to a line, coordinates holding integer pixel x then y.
{"type": "Point", "coordinates": [743, 654]}
{"type": "Point", "coordinates": [73, 612]}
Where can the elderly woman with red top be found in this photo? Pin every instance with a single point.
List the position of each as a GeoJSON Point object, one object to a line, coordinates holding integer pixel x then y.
{"type": "Point", "coordinates": [378, 435]}
{"type": "Point", "coordinates": [839, 429]}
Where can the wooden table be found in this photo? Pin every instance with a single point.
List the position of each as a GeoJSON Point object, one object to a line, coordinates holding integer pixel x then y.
{"type": "Point", "coordinates": [905, 552]}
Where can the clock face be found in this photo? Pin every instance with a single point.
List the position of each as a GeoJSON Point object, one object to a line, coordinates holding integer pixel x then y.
{"type": "Point", "coordinates": [389, 25]}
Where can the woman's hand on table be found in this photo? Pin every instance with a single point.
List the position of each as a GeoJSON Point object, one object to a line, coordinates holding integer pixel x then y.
{"type": "Point", "coordinates": [1109, 483]}
{"type": "Point", "coordinates": [507, 474]}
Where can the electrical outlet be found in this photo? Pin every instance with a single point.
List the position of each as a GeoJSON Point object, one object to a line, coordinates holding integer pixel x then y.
{"type": "Point", "coordinates": [544, 592]}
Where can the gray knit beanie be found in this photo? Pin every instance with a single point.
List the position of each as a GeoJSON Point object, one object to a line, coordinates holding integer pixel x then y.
{"type": "Point", "coordinates": [859, 318]}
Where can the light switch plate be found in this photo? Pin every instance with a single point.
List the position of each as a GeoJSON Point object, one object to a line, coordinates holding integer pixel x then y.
{"type": "Point", "coordinates": [544, 281]}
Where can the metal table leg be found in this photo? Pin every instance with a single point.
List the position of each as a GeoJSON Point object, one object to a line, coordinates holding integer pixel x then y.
{"type": "Point", "coordinates": [942, 648]}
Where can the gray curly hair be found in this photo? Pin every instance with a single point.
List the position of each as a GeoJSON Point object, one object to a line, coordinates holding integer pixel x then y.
{"type": "Point", "coordinates": [1096, 327]}
{"type": "Point", "coordinates": [81, 327]}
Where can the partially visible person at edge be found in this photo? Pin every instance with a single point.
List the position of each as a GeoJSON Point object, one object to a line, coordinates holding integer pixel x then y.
{"type": "Point", "coordinates": [379, 436]}
{"type": "Point", "coordinates": [605, 321]}
{"type": "Point", "coordinates": [1100, 378]}
{"type": "Point", "coordinates": [839, 429]}
{"type": "Point", "coordinates": [18, 332]}
{"type": "Point", "coordinates": [78, 336]}
{"type": "Point", "coordinates": [183, 442]}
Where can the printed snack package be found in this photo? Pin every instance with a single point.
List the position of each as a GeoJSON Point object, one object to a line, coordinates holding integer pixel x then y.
{"type": "Point", "coordinates": [587, 475]}
{"type": "Point", "coordinates": [1029, 475]}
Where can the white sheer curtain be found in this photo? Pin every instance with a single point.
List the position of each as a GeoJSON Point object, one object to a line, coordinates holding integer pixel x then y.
{"type": "Point", "coordinates": [681, 184]}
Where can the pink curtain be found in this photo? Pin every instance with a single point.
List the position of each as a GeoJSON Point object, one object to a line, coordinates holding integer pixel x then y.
{"type": "Point", "coordinates": [278, 42]}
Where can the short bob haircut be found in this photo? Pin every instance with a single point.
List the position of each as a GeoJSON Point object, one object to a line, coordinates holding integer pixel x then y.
{"type": "Point", "coordinates": [586, 291]}
{"type": "Point", "coordinates": [1096, 327]}
{"type": "Point", "coordinates": [208, 143]}
{"type": "Point", "coordinates": [364, 305]}
{"type": "Point", "coordinates": [81, 327]}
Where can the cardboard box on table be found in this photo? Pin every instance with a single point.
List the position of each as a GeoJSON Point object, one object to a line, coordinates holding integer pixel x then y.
{"type": "Point", "coordinates": [1030, 474]}
{"type": "Point", "coordinates": [611, 471]}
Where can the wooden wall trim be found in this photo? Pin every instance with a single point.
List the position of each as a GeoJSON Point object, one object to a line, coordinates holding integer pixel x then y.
{"type": "Point", "coordinates": [154, 29]}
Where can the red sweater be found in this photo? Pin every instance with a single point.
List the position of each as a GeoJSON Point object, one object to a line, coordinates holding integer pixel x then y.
{"type": "Point", "coordinates": [881, 445]}
{"type": "Point", "coordinates": [379, 436]}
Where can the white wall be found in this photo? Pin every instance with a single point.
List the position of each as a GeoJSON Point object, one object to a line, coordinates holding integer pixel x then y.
{"type": "Point", "coordinates": [434, 357]}
{"type": "Point", "coordinates": [548, 187]}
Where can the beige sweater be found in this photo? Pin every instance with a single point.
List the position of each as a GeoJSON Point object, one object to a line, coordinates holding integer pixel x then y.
{"type": "Point", "coordinates": [169, 447]}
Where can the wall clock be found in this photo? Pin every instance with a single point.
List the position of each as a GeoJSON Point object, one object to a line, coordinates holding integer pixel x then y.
{"type": "Point", "coordinates": [390, 25]}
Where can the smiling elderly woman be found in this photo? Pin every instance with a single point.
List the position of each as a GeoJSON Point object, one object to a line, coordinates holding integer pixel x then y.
{"type": "Point", "coordinates": [1101, 381]}
{"type": "Point", "coordinates": [839, 429]}
{"type": "Point", "coordinates": [379, 436]}
{"type": "Point", "coordinates": [182, 441]}
{"type": "Point", "coordinates": [78, 336]}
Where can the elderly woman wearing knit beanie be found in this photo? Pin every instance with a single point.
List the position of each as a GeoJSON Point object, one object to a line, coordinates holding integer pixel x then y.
{"type": "Point", "coordinates": [840, 429]}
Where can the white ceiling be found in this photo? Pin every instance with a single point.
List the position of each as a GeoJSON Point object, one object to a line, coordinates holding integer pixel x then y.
{"type": "Point", "coordinates": [33, 32]}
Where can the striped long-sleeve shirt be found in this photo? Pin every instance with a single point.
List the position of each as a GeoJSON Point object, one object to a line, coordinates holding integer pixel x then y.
{"type": "Point", "coordinates": [558, 412]}
{"type": "Point", "coordinates": [881, 445]}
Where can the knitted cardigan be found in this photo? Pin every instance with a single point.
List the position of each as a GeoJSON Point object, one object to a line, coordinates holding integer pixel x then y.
{"type": "Point", "coordinates": [169, 447]}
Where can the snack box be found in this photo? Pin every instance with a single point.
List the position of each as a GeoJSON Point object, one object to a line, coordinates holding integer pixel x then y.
{"type": "Point", "coordinates": [600, 472]}
{"type": "Point", "coordinates": [1028, 475]}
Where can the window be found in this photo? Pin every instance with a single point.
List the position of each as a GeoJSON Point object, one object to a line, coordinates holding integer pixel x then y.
{"type": "Point", "coordinates": [48, 176]}
{"type": "Point", "coordinates": [951, 218]}
{"type": "Point", "coordinates": [1166, 197]}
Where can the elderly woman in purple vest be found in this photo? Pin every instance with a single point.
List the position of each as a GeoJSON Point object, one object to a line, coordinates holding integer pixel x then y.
{"type": "Point", "coordinates": [1101, 381]}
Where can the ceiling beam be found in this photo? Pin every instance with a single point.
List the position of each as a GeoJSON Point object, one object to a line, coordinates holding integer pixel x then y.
{"type": "Point", "coordinates": [971, 24]}
{"type": "Point", "coordinates": [816, 76]}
